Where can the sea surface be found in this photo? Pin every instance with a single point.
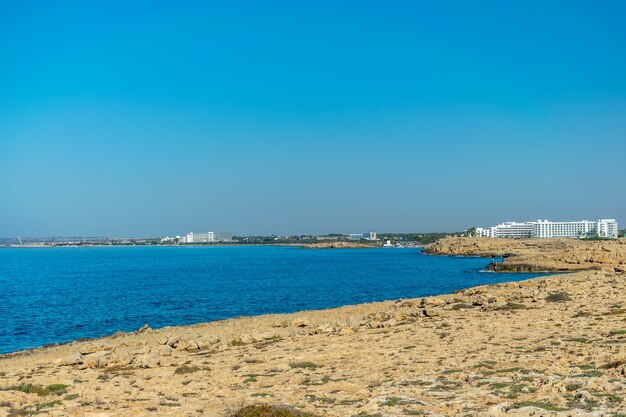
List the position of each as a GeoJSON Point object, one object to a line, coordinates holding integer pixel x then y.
{"type": "Point", "coordinates": [50, 295]}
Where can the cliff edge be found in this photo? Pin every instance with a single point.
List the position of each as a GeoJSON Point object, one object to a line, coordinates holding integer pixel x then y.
{"type": "Point", "coordinates": [538, 255]}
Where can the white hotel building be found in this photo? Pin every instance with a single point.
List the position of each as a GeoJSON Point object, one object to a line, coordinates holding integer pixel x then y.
{"type": "Point", "coordinates": [209, 237]}
{"type": "Point", "coordinates": [544, 229]}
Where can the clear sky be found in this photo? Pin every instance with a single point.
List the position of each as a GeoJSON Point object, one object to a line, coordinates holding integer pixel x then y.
{"type": "Point", "coordinates": [160, 118]}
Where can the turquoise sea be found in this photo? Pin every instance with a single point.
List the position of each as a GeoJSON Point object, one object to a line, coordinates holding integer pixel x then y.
{"type": "Point", "coordinates": [50, 295]}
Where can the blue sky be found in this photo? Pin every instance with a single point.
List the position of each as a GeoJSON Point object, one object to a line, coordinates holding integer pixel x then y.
{"type": "Point", "coordinates": [308, 117]}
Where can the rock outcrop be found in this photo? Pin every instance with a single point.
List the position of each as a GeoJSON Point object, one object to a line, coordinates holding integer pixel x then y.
{"type": "Point", "coordinates": [538, 255]}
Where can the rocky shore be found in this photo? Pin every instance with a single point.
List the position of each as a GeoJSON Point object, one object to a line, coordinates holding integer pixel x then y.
{"type": "Point", "coordinates": [339, 245]}
{"type": "Point", "coordinates": [549, 346]}
{"type": "Point", "coordinates": [538, 255]}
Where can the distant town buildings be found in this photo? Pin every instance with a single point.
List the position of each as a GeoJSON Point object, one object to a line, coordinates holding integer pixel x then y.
{"type": "Point", "coordinates": [208, 237]}
{"type": "Point", "coordinates": [544, 229]}
{"type": "Point", "coordinates": [363, 236]}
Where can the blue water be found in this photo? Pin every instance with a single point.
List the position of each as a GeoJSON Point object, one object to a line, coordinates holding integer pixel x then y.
{"type": "Point", "coordinates": [52, 295]}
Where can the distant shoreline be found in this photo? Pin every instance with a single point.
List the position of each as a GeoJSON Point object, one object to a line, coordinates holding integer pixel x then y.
{"type": "Point", "coordinates": [319, 245]}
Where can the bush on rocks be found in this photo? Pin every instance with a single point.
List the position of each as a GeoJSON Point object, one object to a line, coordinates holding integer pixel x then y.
{"type": "Point", "coordinates": [266, 410]}
{"type": "Point", "coordinates": [556, 297]}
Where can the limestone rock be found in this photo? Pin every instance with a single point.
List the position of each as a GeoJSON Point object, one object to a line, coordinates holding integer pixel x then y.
{"type": "Point", "coordinates": [98, 359]}
{"type": "Point", "coordinates": [431, 312]}
{"type": "Point", "coordinates": [148, 360]}
{"type": "Point", "coordinates": [300, 322]}
{"type": "Point", "coordinates": [74, 359]}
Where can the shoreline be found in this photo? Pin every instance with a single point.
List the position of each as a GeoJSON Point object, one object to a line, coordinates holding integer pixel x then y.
{"type": "Point", "coordinates": [385, 357]}
{"type": "Point", "coordinates": [324, 245]}
{"type": "Point", "coordinates": [553, 345]}
{"type": "Point", "coordinates": [547, 273]}
{"type": "Point", "coordinates": [461, 247]}
{"type": "Point", "coordinates": [330, 310]}
{"type": "Point", "coordinates": [304, 311]}
{"type": "Point", "coordinates": [322, 311]}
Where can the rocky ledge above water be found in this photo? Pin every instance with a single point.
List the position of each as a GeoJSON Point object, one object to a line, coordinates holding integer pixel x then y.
{"type": "Point", "coordinates": [538, 255]}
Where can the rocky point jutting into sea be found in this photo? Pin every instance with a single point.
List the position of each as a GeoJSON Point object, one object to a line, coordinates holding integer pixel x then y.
{"type": "Point", "coordinates": [547, 346]}
{"type": "Point", "coordinates": [538, 255]}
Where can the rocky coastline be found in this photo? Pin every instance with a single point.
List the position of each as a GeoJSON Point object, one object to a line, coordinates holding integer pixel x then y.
{"type": "Point", "coordinates": [339, 245]}
{"type": "Point", "coordinates": [548, 346]}
{"type": "Point", "coordinates": [538, 255]}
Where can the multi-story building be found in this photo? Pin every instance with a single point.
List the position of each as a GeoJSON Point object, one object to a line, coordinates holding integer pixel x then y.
{"type": "Point", "coordinates": [361, 236]}
{"type": "Point", "coordinates": [512, 230]}
{"type": "Point", "coordinates": [544, 229]}
{"type": "Point", "coordinates": [222, 237]}
{"type": "Point", "coordinates": [209, 237]}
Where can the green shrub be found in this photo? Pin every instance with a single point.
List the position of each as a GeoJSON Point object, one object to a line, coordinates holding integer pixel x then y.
{"type": "Point", "coordinates": [303, 364]}
{"type": "Point", "coordinates": [40, 390]}
{"type": "Point", "coordinates": [538, 404]}
{"type": "Point", "coordinates": [56, 387]}
{"type": "Point", "coordinates": [391, 401]}
{"type": "Point", "coordinates": [556, 297]}
{"type": "Point", "coordinates": [185, 369]}
{"type": "Point", "coordinates": [47, 405]}
{"type": "Point", "coordinates": [512, 306]}
{"type": "Point", "coordinates": [265, 410]}
{"type": "Point", "coordinates": [614, 364]}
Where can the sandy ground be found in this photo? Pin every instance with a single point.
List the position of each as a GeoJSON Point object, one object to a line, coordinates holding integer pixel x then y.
{"type": "Point", "coordinates": [546, 346]}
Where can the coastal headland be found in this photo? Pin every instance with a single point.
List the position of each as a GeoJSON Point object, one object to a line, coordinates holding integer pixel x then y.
{"type": "Point", "coordinates": [336, 245]}
{"type": "Point", "coordinates": [548, 346]}
{"type": "Point", "coordinates": [538, 255]}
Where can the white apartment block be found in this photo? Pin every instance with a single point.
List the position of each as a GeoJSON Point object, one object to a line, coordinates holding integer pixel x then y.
{"type": "Point", "coordinates": [363, 236]}
{"type": "Point", "coordinates": [544, 229]}
{"type": "Point", "coordinates": [209, 237]}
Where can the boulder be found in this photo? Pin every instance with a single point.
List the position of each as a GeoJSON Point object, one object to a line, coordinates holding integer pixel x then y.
{"type": "Point", "coordinates": [94, 347]}
{"type": "Point", "coordinates": [74, 359]}
{"type": "Point", "coordinates": [324, 328]}
{"type": "Point", "coordinates": [121, 358]}
{"type": "Point", "coordinates": [163, 350]}
{"type": "Point", "coordinates": [431, 312]}
{"type": "Point", "coordinates": [148, 360]}
{"type": "Point", "coordinates": [300, 322]}
{"type": "Point", "coordinates": [172, 341]}
{"type": "Point", "coordinates": [98, 359]}
{"type": "Point", "coordinates": [206, 342]}
{"type": "Point", "coordinates": [346, 330]}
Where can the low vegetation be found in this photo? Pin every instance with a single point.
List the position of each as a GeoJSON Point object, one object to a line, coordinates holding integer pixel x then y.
{"type": "Point", "coordinates": [393, 401]}
{"type": "Point", "coordinates": [265, 410]}
{"type": "Point", "coordinates": [41, 390]}
{"type": "Point", "coordinates": [538, 404]}
{"type": "Point", "coordinates": [303, 364]}
{"type": "Point", "coordinates": [556, 297]}
{"type": "Point", "coordinates": [186, 369]}
{"type": "Point", "coordinates": [512, 306]}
